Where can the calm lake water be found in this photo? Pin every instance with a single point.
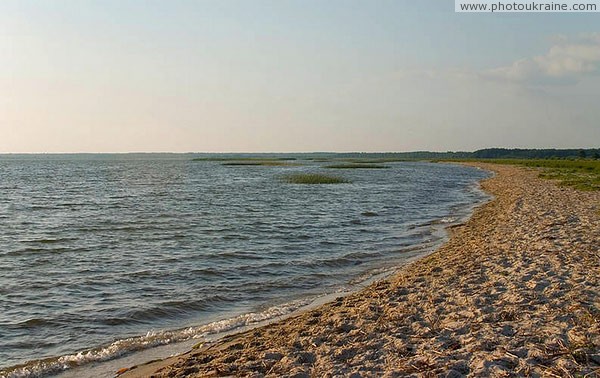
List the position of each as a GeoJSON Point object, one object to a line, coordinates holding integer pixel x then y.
{"type": "Point", "coordinates": [109, 254]}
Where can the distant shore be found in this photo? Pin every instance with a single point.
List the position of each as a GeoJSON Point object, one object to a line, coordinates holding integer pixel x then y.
{"type": "Point", "coordinates": [513, 292]}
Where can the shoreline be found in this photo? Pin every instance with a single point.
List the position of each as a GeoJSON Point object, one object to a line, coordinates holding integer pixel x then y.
{"type": "Point", "coordinates": [513, 291]}
{"type": "Point", "coordinates": [95, 364]}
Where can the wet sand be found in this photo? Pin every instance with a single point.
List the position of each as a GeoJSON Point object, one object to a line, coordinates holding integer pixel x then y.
{"type": "Point", "coordinates": [514, 292]}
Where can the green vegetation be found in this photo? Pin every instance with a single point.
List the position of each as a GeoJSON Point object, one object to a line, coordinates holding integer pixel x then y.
{"type": "Point", "coordinates": [258, 163]}
{"type": "Point", "coordinates": [385, 157]}
{"type": "Point", "coordinates": [548, 153]}
{"type": "Point", "coordinates": [375, 160]}
{"type": "Point", "coordinates": [579, 168]}
{"type": "Point", "coordinates": [238, 160]}
{"type": "Point", "coordinates": [244, 159]}
{"type": "Point", "coordinates": [486, 153]}
{"type": "Point", "coordinates": [580, 174]}
{"type": "Point", "coordinates": [356, 166]}
{"type": "Point", "coordinates": [313, 178]}
{"type": "Point", "coordinates": [579, 165]}
{"type": "Point", "coordinates": [321, 160]}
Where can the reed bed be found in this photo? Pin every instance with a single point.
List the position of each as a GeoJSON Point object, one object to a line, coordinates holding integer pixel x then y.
{"type": "Point", "coordinates": [313, 178]}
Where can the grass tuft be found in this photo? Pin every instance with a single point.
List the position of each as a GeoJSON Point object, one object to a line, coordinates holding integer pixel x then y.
{"type": "Point", "coordinates": [356, 166]}
{"type": "Point", "coordinates": [375, 160]}
{"type": "Point", "coordinates": [271, 163]}
{"type": "Point", "coordinates": [313, 178]}
{"type": "Point", "coordinates": [244, 159]}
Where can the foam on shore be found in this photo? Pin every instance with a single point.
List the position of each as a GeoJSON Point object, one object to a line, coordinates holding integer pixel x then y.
{"type": "Point", "coordinates": [514, 292]}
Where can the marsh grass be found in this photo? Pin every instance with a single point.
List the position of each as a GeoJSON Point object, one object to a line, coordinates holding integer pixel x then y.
{"type": "Point", "coordinates": [579, 174]}
{"type": "Point", "coordinates": [313, 178]}
{"type": "Point", "coordinates": [244, 159]}
{"type": "Point", "coordinates": [271, 163]}
{"type": "Point", "coordinates": [356, 166]}
{"type": "Point", "coordinates": [578, 180]}
{"type": "Point", "coordinates": [574, 165]}
{"type": "Point", "coordinates": [340, 160]}
{"type": "Point", "coordinates": [375, 160]}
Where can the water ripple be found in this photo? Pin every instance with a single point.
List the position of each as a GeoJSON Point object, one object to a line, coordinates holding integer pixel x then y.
{"type": "Point", "coordinates": [102, 248]}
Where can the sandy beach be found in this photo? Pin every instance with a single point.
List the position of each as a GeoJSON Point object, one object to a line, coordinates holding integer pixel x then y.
{"type": "Point", "coordinates": [514, 292]}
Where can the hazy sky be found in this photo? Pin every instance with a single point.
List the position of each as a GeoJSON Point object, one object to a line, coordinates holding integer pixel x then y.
{"type": "Point", "coordinates": [249, 75]}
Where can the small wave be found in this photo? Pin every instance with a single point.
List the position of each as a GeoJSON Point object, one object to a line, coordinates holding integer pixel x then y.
{"type": "Point", "coordinates": [349, 259]}
{"type": "Point", "coordinates": [235, 237]}
{"type": "Point", "coordinates": [447, 220]}
{"type": "Point", "coordinates": [171, 308]}
{"type": "Point", "coordinates": [43, 207]}
{"type": "Point", "coordinates": [48, 366]}
{"type": "Point", "coordinates": [208, 272]}
{"type": "Point", "coordinates": [425, 245]}
{"type": "Point", "coordinates": [34, 322]}
{"type": "Point", "coordinates": [421, 225]}
{"type": "Point", "coordinates": [239, 255]}
{"type": "Point", "coordinates": [143, 273]}
{"type": "Point", "coordinates": [47, 240]}
{"type": "Point", "coordinates": [329, 242]}
{"type": "Point", "coordinates": [369, 276]}
{"type": "Point", "coordinates": [37, 250]}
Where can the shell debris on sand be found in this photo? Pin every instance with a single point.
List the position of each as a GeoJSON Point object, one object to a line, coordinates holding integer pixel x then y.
{"type": "Point", "coordinates": [514, 292]}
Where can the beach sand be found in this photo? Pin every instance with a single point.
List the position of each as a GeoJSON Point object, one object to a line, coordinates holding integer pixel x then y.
{"type": "Point", "coordinates": [514, 292]}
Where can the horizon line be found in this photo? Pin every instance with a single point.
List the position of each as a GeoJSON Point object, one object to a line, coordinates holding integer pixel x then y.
{"type": "Point", "coordinates": [290, 152]}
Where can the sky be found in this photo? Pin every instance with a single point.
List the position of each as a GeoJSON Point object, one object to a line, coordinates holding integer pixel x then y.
{"type": "Point", "coordinates": [293, 76]}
